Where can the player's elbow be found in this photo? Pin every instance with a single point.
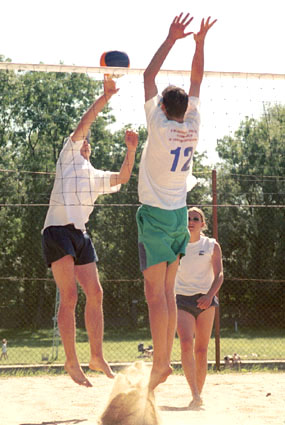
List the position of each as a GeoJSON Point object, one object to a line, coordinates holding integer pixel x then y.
{"type": "Point", "coordinates": [148, 77]}
{"type": "Point", "coordinates": [124, 179]}
{"type": "Point", "coordinates": [146, 74]}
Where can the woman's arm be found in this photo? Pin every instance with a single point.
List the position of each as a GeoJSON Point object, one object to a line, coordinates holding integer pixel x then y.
{"type": "Point", "coordinates": [217, 264]}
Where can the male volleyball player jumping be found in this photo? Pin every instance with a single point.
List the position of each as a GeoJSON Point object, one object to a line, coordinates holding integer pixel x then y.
{"type": "Point", "coordinates": [164, 178]}
{"type": "Point", "coordinates": [68, 249]}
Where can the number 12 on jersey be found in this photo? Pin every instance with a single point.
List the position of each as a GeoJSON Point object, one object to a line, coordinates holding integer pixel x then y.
{"type": "Point", "coordinates": [187, 153]}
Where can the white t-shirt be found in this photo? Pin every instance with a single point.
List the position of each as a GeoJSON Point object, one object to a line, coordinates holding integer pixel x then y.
{"type": "Point", "coordinates": [165, 173]}
{"type": "Point", "coordinates": [76, 187]}
{"type": "Point", "coordinates": [195, 273]}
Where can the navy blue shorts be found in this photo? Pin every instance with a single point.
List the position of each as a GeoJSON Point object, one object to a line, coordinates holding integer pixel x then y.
{"type": "Point", "coordinates": [189, 303]}
{"type": "Point", "coordinates": [59, 241]}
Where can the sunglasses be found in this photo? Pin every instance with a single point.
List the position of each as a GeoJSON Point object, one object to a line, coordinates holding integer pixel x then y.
{"type": "Point", "coordinates": [193, 219]}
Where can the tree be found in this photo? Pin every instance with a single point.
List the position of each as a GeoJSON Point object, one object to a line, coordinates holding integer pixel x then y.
{"type": "Point", "coordinates": [252, 237]}
{"type": "Point", "coordinates": [38, 111]}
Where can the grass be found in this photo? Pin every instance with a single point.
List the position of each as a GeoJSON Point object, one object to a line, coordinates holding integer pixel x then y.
{"type": "Point", "coordinates": [35, 347]}
{"type": "Point", "coordinates": [178, 371]}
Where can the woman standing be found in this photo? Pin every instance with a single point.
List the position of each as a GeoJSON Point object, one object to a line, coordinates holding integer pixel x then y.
{"type": "Point", "coordinates": [199, 278]}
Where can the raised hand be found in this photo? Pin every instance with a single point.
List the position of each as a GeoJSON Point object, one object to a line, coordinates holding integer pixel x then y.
{"type": "Point", "coordinates": [131, 140]}
{"type": "Point", "coordinates": [204, 28]}
{"type": "Point", "coordinates": [178, 26]}
{"type": "Point", "coordinates": [109, 87]}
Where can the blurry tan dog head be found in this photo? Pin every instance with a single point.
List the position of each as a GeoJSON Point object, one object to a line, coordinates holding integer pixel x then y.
{"type": "Point", "coordinates": [130, 403]}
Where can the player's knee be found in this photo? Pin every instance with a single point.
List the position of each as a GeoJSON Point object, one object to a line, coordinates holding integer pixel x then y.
{"type": "Point", "coordinates": [170, 296]}
{"type": "Point", "coordinates": [187, 344]}
{"type": "Point", "coordinates": [94, 295]}
{"type": "Point", "coordinates": [154, 297]}
{"type": "Point", "coordinates": [152, 293]}
{"type": "Point", "coordinates": [68, 298]}
{"type": "Point", "coordinates": [201, 352]}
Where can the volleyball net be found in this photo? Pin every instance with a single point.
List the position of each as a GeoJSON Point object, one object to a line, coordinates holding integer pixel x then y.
{"type": "Point", "coordinates": [226, 97]}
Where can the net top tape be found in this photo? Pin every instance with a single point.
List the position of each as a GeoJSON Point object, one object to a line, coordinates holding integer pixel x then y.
{"type": "Point", "coordinates": [118, 71]}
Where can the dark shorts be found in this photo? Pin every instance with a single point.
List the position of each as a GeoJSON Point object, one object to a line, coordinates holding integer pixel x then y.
{"type": "Point", "coordinates": [189, 304]}
{"type": "Point", "coordinates": [59, 241]}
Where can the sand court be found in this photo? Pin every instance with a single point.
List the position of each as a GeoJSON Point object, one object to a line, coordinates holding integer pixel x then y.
{"type": "Point", "coordinates": [233, 398]}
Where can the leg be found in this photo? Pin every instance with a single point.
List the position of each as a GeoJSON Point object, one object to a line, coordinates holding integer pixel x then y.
{"type": "Point", "coordinates": [186, 331]}
{"type": "Point", "coordinates": [87, 276]}
{"type": "Point", "coordinates": [63, 272]}
{"type": "Point", "coordinates": [171, 304]}
{"type": "Point", "coordinates": [154, 278]}
{"type": "Point", "coordinates": [204, 325]}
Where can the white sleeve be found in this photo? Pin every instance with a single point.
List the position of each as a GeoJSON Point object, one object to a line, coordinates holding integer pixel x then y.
{"type": "Point", "coordinates": [103, 182]}
{"type": "Point", "coordinates": [150, 106]}
{"type": "Point", "coordinates": [211, 244]}
{"type": "Point", "coordinates": [70, 152]}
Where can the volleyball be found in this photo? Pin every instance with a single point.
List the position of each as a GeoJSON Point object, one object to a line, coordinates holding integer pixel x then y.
{"type": "Point", "coordinates": [115, 58]}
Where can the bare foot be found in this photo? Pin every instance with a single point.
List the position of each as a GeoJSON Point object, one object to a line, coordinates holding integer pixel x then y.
{"type": "Point", "coordinates": [195, 403]}
{"type": "Point", "coordinates": [157, 376]}
{"type": "Point", "coordinates": [77, 374]}
{"type": "Point", "coordinates": [99, 364]}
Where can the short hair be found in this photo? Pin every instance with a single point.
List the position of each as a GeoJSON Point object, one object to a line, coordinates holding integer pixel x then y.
{"type": "Point", "coordinates": [175, 101]}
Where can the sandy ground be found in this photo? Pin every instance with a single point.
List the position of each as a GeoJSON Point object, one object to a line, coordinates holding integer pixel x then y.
{"type": "Point", "coordinates": [234, 399]}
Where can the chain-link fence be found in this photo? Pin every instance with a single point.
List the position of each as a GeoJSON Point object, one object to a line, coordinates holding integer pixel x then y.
{"type": "Point", "coordinates": [254, 332]}
{"type": "Point", "coordinates": [252, 299]}
{"type": "Point", "coordinates": [243, 117]}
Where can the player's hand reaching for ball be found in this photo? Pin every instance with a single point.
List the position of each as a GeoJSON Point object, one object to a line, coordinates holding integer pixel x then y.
{"type": "Point", "coordinates": [131, 140]}
{"type": "Point", "coordinates": [109, 87]}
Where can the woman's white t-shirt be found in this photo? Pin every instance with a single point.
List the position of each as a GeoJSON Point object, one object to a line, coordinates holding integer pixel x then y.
{"type": "Point", "coordinates": [195, 273]}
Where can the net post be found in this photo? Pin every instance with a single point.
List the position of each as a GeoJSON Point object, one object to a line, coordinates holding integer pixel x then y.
{"type": "Point", "coordinates": [215, 234]}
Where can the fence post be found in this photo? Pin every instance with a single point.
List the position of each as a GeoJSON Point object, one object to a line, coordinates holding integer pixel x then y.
{"type": "Point", "coordinates": [215, 234]}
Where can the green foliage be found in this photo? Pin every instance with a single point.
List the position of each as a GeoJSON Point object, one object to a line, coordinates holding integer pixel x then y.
{"type": "Point", "coordinates": [38, 111]}
{"type": "Point", "coordinates": [252, 238]}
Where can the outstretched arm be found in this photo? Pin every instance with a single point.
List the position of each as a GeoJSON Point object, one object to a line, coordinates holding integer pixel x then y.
{"type": "Point", "coordinates": [198, 58]}
{"type": "Point", "coordinates": [176, 31]}
{"type": "Point", "coordinates": [131, 140]}
{"type": "Point", "coordinates": [87, 119]}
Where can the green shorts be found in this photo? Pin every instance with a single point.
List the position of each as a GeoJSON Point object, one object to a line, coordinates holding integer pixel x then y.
{"type": "Point", "coordinates": [162, 235]}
